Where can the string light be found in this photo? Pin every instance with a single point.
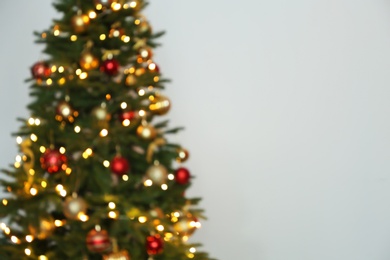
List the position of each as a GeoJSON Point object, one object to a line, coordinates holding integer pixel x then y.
{"type": "Point", "coordinates": [83, 217]}
{"type": "Point", "coordinates": [142, 219]}
{"type": "Point", "coordinates": [33, 191]}
{"type": "Point", "coordinates": [61, 69]}
{"type": "Point", "coordinates": [112, 214]}
{"type": "Point", "coordinates": [171, 177]}
{"type": "Point", "coordinates": [33, 137]}
{"type": "Point", "coordinates": [126, 122]}
{"type": "Point", "coordinates": [15, 240]}
{"type": "Point", "coordinates": [141, 113]}
{"type": "Point", "coordinates": [92, 14]}
{"type": "Point", "coordinates": [19, 140]}
{"type": "Point", "coordinates": [5, 202]}
{"type": "Point", "coordinates": [77, 129]}
{"type": "Point", "coordinates": [49, 82]}
{"type": "Point", "coordinates": [102, 37]}
{"type": "Point", "coordinates": [148, 183]}
{"type": "Point", "coordinates": [29, 238]}
{"type": "Point", "coordinates": [106, 164]}
{"type": "Point", "coordinates": [62, 150]}
{"type": "Point", "coordinates": [116, 6]}
{"type": "Point", "coordinates": [73, 38]}
{"type": "Point", "coordinates": [42, 149]}
{"type": "Point", "coordinates": [125, 38]}
{"type": "Point", "coordinates": [111, 205]}
{"type": "Point", "coordinates": [123, 105]}
{"type": "Point", "coordinates": [43, 184]}
{"type": "Point", "coordinates": [42, 257]}
{"type": "Point", "coordinates": [104, 133]}
{"type": "Point", "coordinates": [27, 251]}
{"type": "Point", "coordinates": [160, 228]}
{"type": "Point", "coordinates": [164, 187]}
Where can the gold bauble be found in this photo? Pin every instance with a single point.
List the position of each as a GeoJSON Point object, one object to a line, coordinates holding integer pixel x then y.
{"type": "Point", "coordinates": [73, 207]}
{"type": "Point", "coordinates": [146, 132]}
{"type": "Point", "coordinates": [122, 255]}
{"type": "Point", "coordinates": [182, 155]}
{"type": "Point", "coordinates": [45, 229]}
{"type": "Point", "coordinates": [131, 80]}
{"type": "Point", "coordinates": [157, 173]}
{"type": "Point", "coordinates": [145, 53]}
{"type": "Point", "coordinates": [80, 23]}
{"type": "Point", "coordinates": [140, 71]}
{"type": "Point", "coordinates": [160, 105]}
{"type": "Point", "coordinates": [88, 61]}
{"type": "Point", "coordinates": [186, 225]}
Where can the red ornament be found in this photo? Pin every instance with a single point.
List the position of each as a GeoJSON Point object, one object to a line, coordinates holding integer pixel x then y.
{"type": "Point", "coordinates": [127, 115]}
{"type": "Point", "coordinates": [40, 70]}
{"type": "Point", "coordinates": [182, 176]}
{"type": "Point", "coordinates": [120, 166]}
{"type": "Point", "coordinates": [53, 161]}
{"type": "Point", "coordinates": [154, 245]}
{"type": "Point", "coordinates": [110, 67]}
{"type": "Point", "coordinates": [98, 241]}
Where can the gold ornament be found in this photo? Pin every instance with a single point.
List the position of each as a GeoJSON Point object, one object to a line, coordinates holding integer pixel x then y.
{"type": "Point", "coordinates": [160, 105]}
{"type": "Point", "coordinates": [88, 61]}
{"type": "Point", "coordinates": [157, 173]}
{"type": "Point", "coordinates": [145, 54]}
{"type": "Point", "coordinates": [186, 225]}
{"type": "Point", "coordinates": [131, 80]}
{"type": "Point", "coordinates": [74, 207]}
{"type": "Point", "coordinates": [122, 255]}
{"type": "Point", "coordinates": [140, 71]}
{"type": "Point", "coordinates": [116, 32]}
{"type": "Point", "coordinates": [153, 146]}
{"type": "Point", "coordinates": [146, 132]}
{"type": "Point", "coordinates": [80, 23]}
{"type": "Point", "coordinates": [65, 112]}
{"type": "Point", "coordinates": [182, 155]}
{"type": "Point", "coordinates": [45, 229]}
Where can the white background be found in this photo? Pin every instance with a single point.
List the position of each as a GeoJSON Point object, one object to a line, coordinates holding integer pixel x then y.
{"type": "Point", "coordinates": [286, 108]}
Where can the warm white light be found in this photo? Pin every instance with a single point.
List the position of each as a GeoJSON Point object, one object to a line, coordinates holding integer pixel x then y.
{"type": "Point", "coordinates": [33, 137]}
{"type": "Point", "coordinates": [63, 193]}
{"type": "Point", "coordinates": [37, 121]}
{"type": "Point", "coordinates": [171, 177]}
{"type": "Point", "coordinates": [15, 239]}
{"type": "Point", "coordinates": [142, 219]}
{"type": "Point", "coordinates": [126, 122]}
{"type": "Point", "coordinates": [106, 164]}
{"type": "Point", "coordinates": [29, 238]}
{"type": "Point", "coordinates": [77, 129]}
{"type": "Point", "coordinates": [104, 133]}
{"type": "Point", "coordinates": [33, 191]}
{"type": "Point", "coordinates": [160, 228]}
{"type": "Point", "coordinates": [192, 250]}
{"type": "Point", "coordinates": [112, 214]}
{"type": "Point", "coordinates": [125, 38]}
{"type": "Point", "coordinates": [62, 69]}
{"type": "Point", "coordinates": [83, 217]}
{"type": "Point", "coordinates": [83, 75]}
{"type": "Point", "coordinates": [19, 140]}
{"type": "Point", "coordinates": [125, 177]}
{"type": "Point", "coordinates": [27, 251]}
{"type": "Point", "coordinates": [42, 257]}
{"type": "Point", "coordinates": [18, 158]}
{"type": "Point", "coordinates": [62, 150]}
{"type": "Point", "coordinates": [116, 6]}
{"type": "Point", "coordinates": [141, 92]}
{"type": "Point", "coordinates": [164, 187]}
{"type": "Point", "coordinates": [111, 205]}
{"type": "Point", "coordinates": [142, 113]}
{"type": "Point", "coordinates": [92, 15]}
{"type": "Point", "coordinates": [148, 183]}
{"type": "Point", "coordinates": [102, 37]}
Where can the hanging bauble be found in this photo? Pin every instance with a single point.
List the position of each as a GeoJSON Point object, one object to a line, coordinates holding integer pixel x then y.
{"type": "Point", "coordinates": [131, 80]}
{"type": "Point", "coordinates": [110, 67]}
{"type": "Point", "coordinates": [40, 70]}
{"type": "Point", "coordinates": [53, 161]}
{"type": "Point", "coordinates": [186, 225]}
{"type": "Point", "coordinates": [157, 173]}
{"type": "Point", "coordinates": [182, 155]}
{"type": "Point", "coordinates": [182, 176]}
{"type": "Point", "coordinates": [122, 255]}
{"type": "Point", "coordinates": [88, 61]}
{"type": "Point", "coordinates": [98, 241]}
{"type": "Point", "coordinates": [80, 23]}
{"type": "Point", "coordinates": [101, 114]}
{"type": "Point", "coordinates": [159, 105]}
{"type": "Point", "coordinates": [119, 165]}
{"type": "Point", "coordinates": [146, 132]}
{"type": "Point", "coordinates": [145, 54]}
{"type": "Point", "coordinates": [154, 245]}
{"type": "Point", "coordinates": [65, 112]}
{"type": "Point", "coordinates": [44, 230]}
{"type": "Point", "coordinates": [116, 32]}
{"type": "Point", "coordinates": [105, 3]}
{"type": "Point", "coordinates": [74, 207]}
{"type": "Point", "coordinates": [128, 115]}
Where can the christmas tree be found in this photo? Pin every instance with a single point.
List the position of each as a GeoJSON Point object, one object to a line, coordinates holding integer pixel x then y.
{"type": "Point", "coordinates": [96, 176]}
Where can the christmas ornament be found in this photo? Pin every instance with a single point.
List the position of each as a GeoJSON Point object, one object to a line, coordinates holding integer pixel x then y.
{"type": "Point", "coordinates": [146, 132]}
{"type": "Point", "coordinates": [65, 112]}
{"type": "Point", "coordinates": [157, 173]}
{"type": "Point", "coordinates": [116, 32]}
{"type": "Point", "coordinates": [182, 155]}
{"type": "Point", "coordinates": [73, 207]}
{"type": "Point", "coordinates": [153, 67]}
{"type": "Point", "coordinates": [182, 176]}
{"type": "Point", "coordinates": [160, 105]}
{"type": "Point", "coordinates": [122, 255]}
{"type": "Point", "coordinates": [45, 228]}
{"type": "Point", "coordinates": [101, 116]}
{"type": "Point", "coordinates": [154, 245]}
{"type": "Point", "coordinates": [98, 240]}
{"type": "Point", "coordinates": [120, 166]}
{"type": "Point", "coordinates": [128, 115]}
{"type": "Point", "coordinates": [145, 54]}
{"type": "Point", "coordinates": [153, 146]}
{"type": "Point", "coordinates": [105, 3]}
{"type": "Point", "coordinates": [131, 80]}
{"type": "Point", "coordinates": [156, 213]}
{"type": "Point", "coordinates": [186, 225]}
{"type": "Point", "coordinates": [80, 23]}
{"type": "Point", "coordinates": [140, 71]}
{"type": "Point", "coordinates": [40, 70]}
{"type": "Point", "coordinates": [110, 67]}
{"type": "Point", "coordinates": [88, 61]}
{"type": "Point", "coordinates": [53, 161]}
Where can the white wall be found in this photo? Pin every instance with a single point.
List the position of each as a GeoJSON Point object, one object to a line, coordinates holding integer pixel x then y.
{"type": "Point", "coordinates": [285, 105]}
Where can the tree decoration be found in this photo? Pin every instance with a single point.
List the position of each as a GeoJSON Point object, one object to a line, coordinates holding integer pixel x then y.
{"type": "Point", "coordinates": [88, 61]}
{"type": "Point", "coordinates": [105, 3]}
{"type": "Point", "coordinates": [74, 207]}
{"type": "Point", "coordinates": [80, 23]}
{"type": "Point", "coordinates": [128, 115]}
{"type": "Point", "coordinates": [145, 54]}
{"type": "Point", "coordinates": [53, 161]}
{"type": "Point", "coordinates": [98, 240]}
{"type": "Point", "coordinates": [182, 155]}
{"type": "Point", "coordinates": [45, 228]}
{"type": "Point", "coordinates": [154, 245]}
{"type": "Point", "coordinates": [186, 225]}
{"type": "Point", "coordinates": [157, 173]}
{"type": "Point", "coordinates": [65, 112]}
{"type": "Point", "coordinates": [116, 254]}
{"type": "Point", "coordinates": [110, 67]}
{"type": "Point", "coordinates": [146, 131]}
{"type": "Point", "coordinates": [131, 80]}
{"type": "Point", "coordinates": [159, 105]}
{"type": "Point", "coordinates": [182, 176]}
{"type": "Point", "coordinates": [120, 165]}
{"type": "Point", "coordinates": [40, 70]}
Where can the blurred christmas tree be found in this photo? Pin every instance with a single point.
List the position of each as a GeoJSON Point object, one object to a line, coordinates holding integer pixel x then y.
{"type": "Point", "coordinates": [96, 177]}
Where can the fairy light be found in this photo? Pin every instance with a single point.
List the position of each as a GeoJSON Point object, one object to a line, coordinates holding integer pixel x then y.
{"type": "Point", "coordinates": [112, 214]}
{"type": "Point", "coordinates": [87, 153]}
{"type": "Point", "coordinates": [137, 21]}
{"type": "Point", "coordinates": [104, 133]}
{"type": "Point", "coordinates": [62, 150]}
{"type": "Point", "coordinates": [33, 191]}
{"type": "Point", "coordinates": [99, 7]}
{"type": "Point", "coordinates": [164, 187]}
{"type": "Point", "coordinates": [102, 37]}
{"type": "Point", "coordinates": [192, 250]}
{"type": "Point", "coordinates": [148, 183]}
{"type": "Point", "coordinates": [133, 4]}
{"type": "Point", "coordinates": [156, 79]}
{"type": "Point", "coordinates": [49, 82]}
{"type": "Point", "coordinates": [42, 257]}
{"type": "Point", "coordinates": [31, 121]}
{"type": "Point", "coordinates": [31, 172]}
{"type": "Point", "coordinates": [126, 122]}
{"type": "Point", "coordinates": [185, 238]}
{"type": "Point", "coordinates": [19, 140]}
{"type": "Point", "coordinates": [78, 72]}
{"type": "Point", "coordinates": [58, 223]}
{"type": "Point", "coordinates": [190, 255]}
{"type": "Point", "coordinates": [29, 238]}
{"type": "Point", "coordinates": [43, 35]}
{"type": "Point", "coordinates": [15, 240]}
{"type": "Point", "coordinates": [142, 219]}
{"type": "Point", "coordinates": [141, 92]}
{"type": "Point", "coordinates": [131, 70]}
{"type": "Point", "coordinates": [106, 164]}
{"type": "Point", "coordinates": [125, 38]}
{"type": "Point", "coordinates": [18, 158]}
{"type": "Point", "coordinates": [61, 69]}
{"type": "Point", "coordinates": [83, 75]}
{"type": "Point", "coordinates": [61, 81]}
{"type": "Point", "coordinates": [83, 217]}
{"type": "Point", "coordinates": [43, 184]}
{"type": "Point", "coordinates": [7, 230]}
{"type": "Point", "coordinates": [168, 236]}
{"type": "Point", "coordinates": [27, 251]}
{"type": "Point", "coordinates": [73, 38]}
{"type": "Point", "coordinates": [37, 121]}
{"type": "Point", "coordinates": [116, 6]}
{"type": "Point", "coordinates": [125, 177]}
{"type": "Point", "coordinates": [111, 205]}
{"type": "Point", "coordinates": [92, 14]}
{"type": "Point", "coordinates": [171, 177]}
{"type": "Point", "coordinates": [123, 105]}
{"type": "Point", "coordinates": [53, 68]}
{"type": "Point", "coordinates": [42, 149]}
{"type": "Point", "coordinates": [77, 129]}
{"type": "Point", "coordinates": [160, 228]}
{"type": "Point", "coordinates": [63, 193]}
{"type": "Point", "coordinates": [17, 165]}
{"type": "Point", "coordinates": [5, 202]}
{"type": "Point", "coordinates": [33, 137]}
{"type": "Point", "coordinates": [141, 113]}
{"type": "Point", "coordinates": [59, 188]}
{"type": "Point", "coordinates": [68, 171]}
{"type": "Point", "coordinates": [152, 66]}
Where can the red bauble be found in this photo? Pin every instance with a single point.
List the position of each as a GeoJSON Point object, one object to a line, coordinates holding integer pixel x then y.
{"type": "Point", "coordinates": [182, 176]}
{"type": "Point", "coordinates": [40, 70]}
{"type": "Point", "coordinates": [98, 241]}
{"type": "Point", "coordinates": [120, 165]}
{"type": "Point", "coordinates": [53, 161]}
{"type": "Point", "coordinates": [127, 115]}
{"type": "Point", "coordinates": [154, 245]}
{"type": "Point", "coordinates": [110, 67]}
